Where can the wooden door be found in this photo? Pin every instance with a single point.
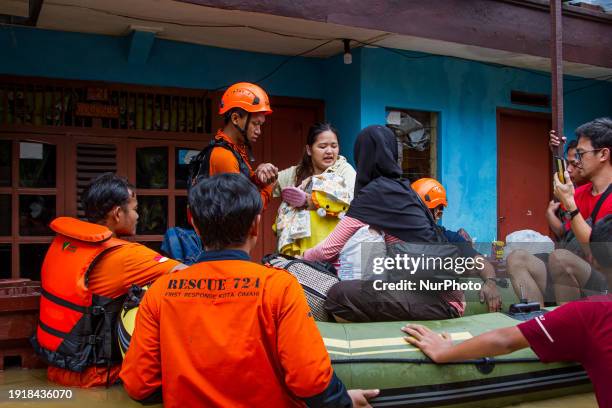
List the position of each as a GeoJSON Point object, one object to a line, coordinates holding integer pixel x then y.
{"type": "Point", "coordinates": [524, 179]}
{"type": "Point", "coordinates": [282, 144]}
{"type": "Point", "coordinates": [159, 170]}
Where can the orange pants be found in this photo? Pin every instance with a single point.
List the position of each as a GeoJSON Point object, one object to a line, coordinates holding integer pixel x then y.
{"type": "Point", "coordinates": [90, 377]}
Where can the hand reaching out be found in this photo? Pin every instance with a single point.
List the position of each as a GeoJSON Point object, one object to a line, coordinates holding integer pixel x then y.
{"type": "Point", "coordinates": [266, 173]}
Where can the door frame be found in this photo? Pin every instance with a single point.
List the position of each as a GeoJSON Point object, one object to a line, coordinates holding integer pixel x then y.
{"type": "Point", "coordinates": [318, 107]}
{"type": "Point", "coordinates": [518, 113]}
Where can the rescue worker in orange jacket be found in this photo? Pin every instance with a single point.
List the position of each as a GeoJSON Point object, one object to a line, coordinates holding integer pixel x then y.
{"type": "Point", "coordinates": [85, 275]}
{"type": "Point", "coordinates": [244, 107]}
{"type": "Point", "coordinates": [433, 195]}
{"type": "Point", "coordinates": [227, 332]}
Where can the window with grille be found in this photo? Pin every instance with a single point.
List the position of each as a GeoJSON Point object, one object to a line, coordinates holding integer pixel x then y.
{"type": "Point", "coordinates": [31, 196]}
{"type": "Point", "coordinates": [33, 102]}
{"type": "Point", "coordinates": [417, 138]}
{"type": "Point", "coordinates": [160, 174]}
{"type": "Point", "coordinates": [57, 135]}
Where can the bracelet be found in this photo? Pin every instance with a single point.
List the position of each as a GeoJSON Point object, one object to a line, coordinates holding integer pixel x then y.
{"type": "Point", "coordinates": [501, 282]}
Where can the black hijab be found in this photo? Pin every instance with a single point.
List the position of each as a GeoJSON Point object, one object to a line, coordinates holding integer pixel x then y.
{"type": "Point", "coordinates": [382, 198]}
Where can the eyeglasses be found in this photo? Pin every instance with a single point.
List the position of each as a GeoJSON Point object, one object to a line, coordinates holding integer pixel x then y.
{"type": "Point", "coordinates": [579, 154]}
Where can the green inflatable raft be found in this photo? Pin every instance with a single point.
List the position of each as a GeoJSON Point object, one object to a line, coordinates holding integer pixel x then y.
{"type": "Point", "coordinates": [375, 355]}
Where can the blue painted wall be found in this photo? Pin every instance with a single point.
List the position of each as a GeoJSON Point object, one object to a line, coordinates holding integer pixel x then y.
{"type": "Point", "coordinates": [342, 92]}
{"type": "Point", "coordinates": [33, 52]}
{"type": "Point", "coordinates": [466, 94]}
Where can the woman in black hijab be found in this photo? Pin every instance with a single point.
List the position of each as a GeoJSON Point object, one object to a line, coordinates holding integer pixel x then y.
{"type": "Point", "coordinates": [387, 203]}
{"type": "Point", "coordinates": [383, 199]}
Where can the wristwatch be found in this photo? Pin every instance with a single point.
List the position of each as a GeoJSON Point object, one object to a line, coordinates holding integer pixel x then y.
{"type": "Point", "coordinates": [569, 215]}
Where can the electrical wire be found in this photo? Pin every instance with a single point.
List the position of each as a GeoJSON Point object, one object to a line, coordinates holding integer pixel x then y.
{"type": "Point", "coordinates": [193, 25]}
{"type": "Point", "coordinates": [491, 64]}
{"type": "Point", "coordinates": [609, 77]}
{"type": "Point", "coordinates": [327, 41]}
{"type": "Point", "coordinates": [284, 62]}
{"type": "Point", "coordinates": [396, 51]}
{"type": "Point", "coordinates": [292, 57]}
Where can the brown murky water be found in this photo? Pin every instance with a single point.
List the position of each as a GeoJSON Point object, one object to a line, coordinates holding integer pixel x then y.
{"type": "Point", "coordinates": [17, 379]}
{"type": "Point", "coordinates": [573, 401]}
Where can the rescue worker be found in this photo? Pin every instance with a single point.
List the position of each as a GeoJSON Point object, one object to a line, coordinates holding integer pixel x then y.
{"type": "Point", "coordinates": [85, 275]}
{"type": "Point", "coordinates": [244, 107]}
{"type": "Point", "coordinates": [228, 332]}
{"type": "Point", "coordinates": [433, 195]}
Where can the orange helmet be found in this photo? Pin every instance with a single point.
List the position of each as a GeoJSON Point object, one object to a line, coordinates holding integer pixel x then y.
{"type": "Point", "coordinates": [431, 192]}
{"type": "Point", "coordinates": [247, 96]}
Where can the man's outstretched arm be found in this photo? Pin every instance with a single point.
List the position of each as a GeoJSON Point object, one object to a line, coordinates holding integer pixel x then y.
{"type": "Point", "coordinates": [440, 348]}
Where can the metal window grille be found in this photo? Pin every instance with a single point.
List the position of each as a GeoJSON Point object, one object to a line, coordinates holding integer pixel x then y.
{"type": "Point", "coordinates": [111, 106]}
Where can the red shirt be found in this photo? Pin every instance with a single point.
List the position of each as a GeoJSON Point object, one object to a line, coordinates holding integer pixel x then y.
{"type": "Point", "coordinates": [578, 331]}
{"type": "Point", "coordinates": [585, 201]}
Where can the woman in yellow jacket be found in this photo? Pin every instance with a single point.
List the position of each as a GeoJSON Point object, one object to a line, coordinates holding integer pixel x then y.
{"type": "Point", "coordinates": [294, 185]}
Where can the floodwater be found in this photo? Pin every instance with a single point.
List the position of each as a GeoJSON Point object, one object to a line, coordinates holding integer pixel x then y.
{"type": "Point", "coordinates": [572, 401]}
{"type": "Point", "coordinates": [20, 379]}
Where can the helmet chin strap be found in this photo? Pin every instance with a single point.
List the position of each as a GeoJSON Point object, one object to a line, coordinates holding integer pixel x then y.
{"type": "Point", "coordinates": [243, 132]}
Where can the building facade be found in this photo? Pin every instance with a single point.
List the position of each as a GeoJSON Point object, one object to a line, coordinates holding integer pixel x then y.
{"type": "Point", "coordinates": [74, 104]}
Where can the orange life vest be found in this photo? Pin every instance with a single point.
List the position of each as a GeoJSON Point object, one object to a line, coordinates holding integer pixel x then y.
{"type": "Point", "coordinates": [76, 327]}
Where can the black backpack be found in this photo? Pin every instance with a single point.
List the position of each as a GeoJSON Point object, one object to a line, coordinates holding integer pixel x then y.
{"type": "Point", "coordinates": [199, 167]}
{"type": "Point", "coordinates": [569, 240]}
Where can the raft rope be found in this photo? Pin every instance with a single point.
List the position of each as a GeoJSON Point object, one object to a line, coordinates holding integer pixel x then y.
{"type": "Point", "coordinates": [481, 361]}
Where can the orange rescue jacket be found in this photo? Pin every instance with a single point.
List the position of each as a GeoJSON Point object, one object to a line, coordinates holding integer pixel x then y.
{"type": "Point", "coordinates": [224, 156]}
{"type": "Point", "coordinates": [226, 332]}
{"type": "Point", "coordinates": [76, 327]}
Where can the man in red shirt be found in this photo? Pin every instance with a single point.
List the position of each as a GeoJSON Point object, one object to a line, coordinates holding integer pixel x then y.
{"type": "Point", "coordinates": [578, 331]}
{"type": "Point", "coordinates": [564, 276]}
{"type": "Point", "coordinates": [227, 332]}
{"type": "Point", "coordinates": [572, 275]}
